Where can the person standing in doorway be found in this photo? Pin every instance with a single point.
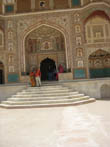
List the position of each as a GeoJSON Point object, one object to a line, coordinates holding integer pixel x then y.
{"type": "Point", "coordinates": [37, 77]}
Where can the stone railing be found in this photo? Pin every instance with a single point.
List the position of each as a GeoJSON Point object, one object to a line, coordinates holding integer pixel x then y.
{"type": "Point", "coordinates": [65, 76]}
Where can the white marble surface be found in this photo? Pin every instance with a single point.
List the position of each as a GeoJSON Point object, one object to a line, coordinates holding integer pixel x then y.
{"type": "Point", "coordinates": [78, 126]}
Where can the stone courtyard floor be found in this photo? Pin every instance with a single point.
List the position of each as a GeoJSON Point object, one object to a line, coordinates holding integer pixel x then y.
{"type": "Point", "coordinates": [77, 126]}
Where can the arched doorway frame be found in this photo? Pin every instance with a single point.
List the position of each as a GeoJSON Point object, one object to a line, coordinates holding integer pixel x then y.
{"type": "Point", "coordinates": [44, 56]}
{"type": "Point", "coordinates": [50, 60]}
{"type": "Point", "coordinates": [36, 26]}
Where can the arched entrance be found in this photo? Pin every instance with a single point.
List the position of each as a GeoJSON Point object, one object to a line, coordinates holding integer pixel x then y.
{"type": "Point", "coordinates": [1, 73]}
{"type": "Point", "coordinates": [44, 42]}
{"type": "Point", "coordinates": [99, 64]}
{"type": "Point", "coordinates": [48, 69]}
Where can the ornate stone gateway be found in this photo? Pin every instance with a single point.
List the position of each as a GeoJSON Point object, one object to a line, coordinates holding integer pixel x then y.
{"type": "Point", "coordinates": [45, 47]}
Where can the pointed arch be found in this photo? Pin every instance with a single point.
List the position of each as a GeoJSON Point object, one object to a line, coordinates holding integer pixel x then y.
{"type": "Point", "coordinates": [100, 13]}
{"type": "Point", "coordinates": [97, 27]}
{"type": "Point", "coordinates": [48, 68]}
{"type": "Point", "coordinates": [36, 26]}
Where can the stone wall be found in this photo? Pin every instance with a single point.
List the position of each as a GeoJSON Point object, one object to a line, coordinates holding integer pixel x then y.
{"type": "Point", "coordinates": [59, 4]}
{"type": "Point", "coordinates": [97, 88]}
{"type": "Point", "coordinates": [23, 6]}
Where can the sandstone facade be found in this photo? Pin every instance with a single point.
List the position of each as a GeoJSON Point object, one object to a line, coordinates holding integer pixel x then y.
{"type": "Point", "coordinates": [78, 37]}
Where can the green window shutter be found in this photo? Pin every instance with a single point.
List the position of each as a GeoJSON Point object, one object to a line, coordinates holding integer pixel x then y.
{"type": "Point", "coordinates": [9, 8]}
{"type": "Point", "coordinates": [75, 2]}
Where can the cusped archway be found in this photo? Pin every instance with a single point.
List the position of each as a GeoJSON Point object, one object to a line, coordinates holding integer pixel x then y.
{"type": "Point", "coordinates": [48, 69]}
{"type": "Point", "coordinates": [44, 42]}
{"type": "Point", "coordinates": [99, 64]}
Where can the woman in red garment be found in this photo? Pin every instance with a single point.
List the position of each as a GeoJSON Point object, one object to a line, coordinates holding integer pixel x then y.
{"type": "Point", "coordinates": [32, 79]}
{"type": "Point", "coordinates": [60, 70]}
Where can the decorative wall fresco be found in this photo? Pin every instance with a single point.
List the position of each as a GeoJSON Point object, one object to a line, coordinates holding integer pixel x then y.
{"type": "Point", "coordinates": [99, 64]}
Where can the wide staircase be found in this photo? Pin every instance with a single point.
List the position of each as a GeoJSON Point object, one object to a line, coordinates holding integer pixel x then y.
{"type": "Point", "coordinates": [46, 96]}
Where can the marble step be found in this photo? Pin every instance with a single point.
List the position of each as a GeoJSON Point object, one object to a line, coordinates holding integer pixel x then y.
{"type": "Point", "coordinates": [47, 87]}
{"type": "Point", "coordinates": [45, 101]}
{"type": "Point", "coordinates": [47, 91]}
{"type": "Point", "coordinates": [47, 95]}
{"type": "Point", "coordinates": [8, 106]}
{"type": "Point", "coordinates": [53, 83]}
{"type": "Point", "coordinates": [51, 87]}
{"type": "Point", "coordinates": [46, 98]}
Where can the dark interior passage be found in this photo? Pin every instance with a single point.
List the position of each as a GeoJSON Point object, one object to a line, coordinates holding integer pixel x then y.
{"type": "Point", "coordinates": [1, 73]}
{"type": "Point", "coordinates": [48, 69]}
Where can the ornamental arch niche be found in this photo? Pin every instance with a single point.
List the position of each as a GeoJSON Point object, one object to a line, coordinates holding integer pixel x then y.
{"type": "Point", "coordinates": [44, 42]}
{"type": "Point", "coordinates": [97, 27]}
{"type": "Point", "coordinates": [99, 64]}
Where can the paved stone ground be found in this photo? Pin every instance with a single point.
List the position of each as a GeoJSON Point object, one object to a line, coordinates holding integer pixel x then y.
{"type": "Point", "coordinates": [78, 126]}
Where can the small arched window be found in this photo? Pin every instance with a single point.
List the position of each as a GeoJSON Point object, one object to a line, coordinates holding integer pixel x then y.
{"type": "Point", "coordinates": [76, 3]}
{"type": "Point", "coordinates": [9, 6]}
